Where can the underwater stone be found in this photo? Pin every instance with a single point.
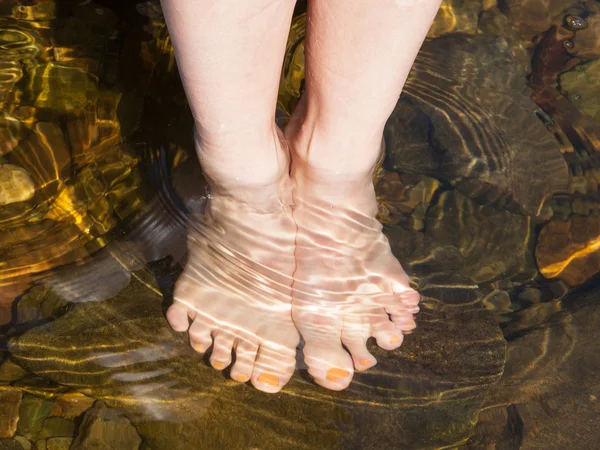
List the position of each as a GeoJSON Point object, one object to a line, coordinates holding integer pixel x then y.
{"type": "Point", "coordinates": [57, 427]}
{"type": "Point", "coordinates": [9, 371]}
{"type": "Point", "coordinates": [581, 86]}
{"type": "Point", "coordinates": [123, 351]}
{"type": "Point", "coordinates": [10, 401]}
{"type": "Point", "coordinates": [15, 185]}
{"type": "Point", "coordinates": [10, 444]}
{"type": "Point", "coordinates": [104, 428]}
{"type": "Point", "coordinates": [61, 443]}
{"type": "Point", "coordinates": [477, 127]}
{"type": "Point", "coordinates": [71, 404]}
{"type": "Point", "coordinates": [569, 250]}
{"type": "Point", "coordinates": [32, 413]}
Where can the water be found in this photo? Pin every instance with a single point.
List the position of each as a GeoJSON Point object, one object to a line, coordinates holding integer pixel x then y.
{"type": "Point", "coordinates": [489, 199]}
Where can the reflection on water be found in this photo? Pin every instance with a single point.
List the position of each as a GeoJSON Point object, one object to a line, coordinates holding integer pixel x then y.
{"type": "Point", "coordinates": [489, 199]}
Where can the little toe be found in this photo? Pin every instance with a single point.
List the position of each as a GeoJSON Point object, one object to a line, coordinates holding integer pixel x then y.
{"type": "Point", "coordinates": [245, 356]}
{"type": "Point", "coordinates": [200, 337]}
{"type": "Point", "coordinates": [221, 353]}
{"type": "Point", "coordinates": [274, 366]}
{"type": "Point", "coordinates": [177, 316]}
{"type": "Point", "coordinates": [385, 332]}
{"type": "Point", "coordinates": [404, 322]}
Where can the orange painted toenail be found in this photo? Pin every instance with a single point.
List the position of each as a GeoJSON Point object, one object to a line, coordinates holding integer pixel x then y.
{"type": "Point", "coordinates": [365, 362]}
{"type": "Point", "coordinates": [218, 365]}
{"type": "Point", "coordinates": [269, 378]}
{"type": "Point", "coordinates": [336, 374]}
{"type": "Point", "coordinates": [241, 378]}
{"type": "Point", "coordinates": [198, 347]}
{"type": "Point", "coordinates": [394, 340]}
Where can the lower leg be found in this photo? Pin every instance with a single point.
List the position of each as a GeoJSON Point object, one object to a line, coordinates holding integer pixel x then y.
{"type": "Point", "coordinates": [358, 57]}
{"type": "Point", "coordinates": [348, 286]}
{"type": "Point", "coordinates": [236, 284]}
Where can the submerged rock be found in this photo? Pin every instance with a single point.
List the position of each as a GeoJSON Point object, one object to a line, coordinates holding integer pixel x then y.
{"type": "Point", "coordinates": [10, 401]}
{"type": "Point", "coordinates": [103, 428]}
{"type": "Point", "coordinates": [32, 413]}
{"type": "Point", "coordinates": [552, 381]}
{"type": "Point", "coordinates": [122, 351]}
{"type": "Point", "coordinates": [476, 125]}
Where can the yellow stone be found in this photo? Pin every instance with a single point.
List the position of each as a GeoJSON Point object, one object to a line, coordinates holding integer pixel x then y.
{"type": "Point", "coordinates": [15, 185]}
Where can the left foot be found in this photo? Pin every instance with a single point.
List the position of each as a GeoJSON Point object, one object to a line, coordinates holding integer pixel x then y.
{"type": "Point", "coordinates": [348, 286]}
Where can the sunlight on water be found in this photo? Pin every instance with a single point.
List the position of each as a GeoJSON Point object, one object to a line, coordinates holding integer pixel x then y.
{"type": "Point", "coordinates": [487, 193]}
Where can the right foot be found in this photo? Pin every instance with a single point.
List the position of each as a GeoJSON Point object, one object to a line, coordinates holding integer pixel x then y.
{"type": "Point", "coordinates": [236, 286]}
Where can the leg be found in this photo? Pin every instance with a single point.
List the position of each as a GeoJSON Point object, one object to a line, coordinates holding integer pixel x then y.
{"type": "Point", "coordinates": [347, 281]}
{"type": "Point", "coordinates": [236, 286]}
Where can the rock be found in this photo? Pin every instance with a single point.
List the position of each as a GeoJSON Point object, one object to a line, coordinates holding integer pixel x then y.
{"type": "Point", "coordinates": [15, 184]}
{"type": "Point", "coordinates": [32, 413]}
{"type": "Point", "coordinates": [456, 16]}
{"type": "Point", "coordinates": [492, 243]}
{"type": "Point", "coordinates": [581, 86]}
{"type": "Point", "coordinates": [10, 444]}
{"type": "Point", "coordinates": [103, 428]}
{"type": "Point", "coordinates": [59, 443]}
{"type": "Point", "coordinates": [476, 125]}
{"type": "Point", "coordinates": [569, 250]}
{"type": "Point", "coordinates": [24, 442]}
{"type": "Point", "coordinates": [57, 427]}
{"type": "Point", "coordinates": [148, 373]}
{"type": "Point", "coordinates": [532, 17]}
{"type": "Point", "coordinates": [10, 401]}
{"type": "Point", "coordinates": [552, 378]}
{"type": "Point", "coordinates": [9, 371]}
{"type": "Point", "coordinates": [71, 405]}
{"type": "Point", "coordinates": [41, 445]}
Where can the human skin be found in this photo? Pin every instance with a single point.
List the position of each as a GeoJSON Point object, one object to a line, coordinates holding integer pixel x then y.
{"type": "Point", "coordinates": [290, 240]}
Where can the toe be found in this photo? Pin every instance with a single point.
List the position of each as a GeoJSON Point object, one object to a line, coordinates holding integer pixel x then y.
{"type": "Point", "coordinates": [354, 336]}
{"type": "Point", "coordinates": [245, 356]}
{"type": "Point", "coordinates": [274, 366]}
{"type": "Point", "coordinates": [404, 322]}
{"type": "Point", "coordinates": [385, 332]}
{"type": "Point", "coordinates": [200, 334]}
{"type": "Point", "coordinates": [177, 317]}
{"type": "Point", "coordinates": [221, 353]}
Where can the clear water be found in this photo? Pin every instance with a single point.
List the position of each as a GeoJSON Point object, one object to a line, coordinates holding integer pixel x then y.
{"type": "Point", "coordinates": [488, 194]}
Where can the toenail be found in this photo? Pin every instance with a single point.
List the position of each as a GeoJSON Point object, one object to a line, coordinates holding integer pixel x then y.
{"type": "Point", "coordinates": [365, 362]}
{"type": "Point", "coordinates": [218, 365]}
{"type": "Point", "coordinates": [336, 374]}
{"type": "Point", "coordinates": [395, 340]}
{"type": "Point", "coordinates": [269, 378]}
{"type": "Point", "coordinates": [198, 347]}
{"type": "Point", "coordinates": [241, 378]}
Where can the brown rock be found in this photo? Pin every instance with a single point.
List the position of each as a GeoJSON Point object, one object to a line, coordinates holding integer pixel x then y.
{"type": "Point", "coordinates": [10, 401]}
{"type": "Point", "coordinates": [581, 86]}
{"type": "Point", "coordinates": [478, 130]}
{"type": "Point", "coordinates": [10, 444]}
{"type": "Point", "coordinates": [60, 443]}
{"type": "Point", "coordinates": [569, 250]}
{"type": "Point", "coordinates": [103, 428]}
{"type": "Point", "coordinates": [150, 374]}
{"type": "Point", "coordinates": [9, 371]}
{"type": "Point", "coordinates": [552, 381]}
{"type": "Point", "coordinates": [71, 404]}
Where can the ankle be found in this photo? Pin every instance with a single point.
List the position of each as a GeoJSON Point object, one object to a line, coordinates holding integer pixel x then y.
{"type": "Point", "coordinates": [337, 151]}
{"type": "Point", "coordinates": [244, 162]}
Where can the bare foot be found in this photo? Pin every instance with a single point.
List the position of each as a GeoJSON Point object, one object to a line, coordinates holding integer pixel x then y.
{"type": "Point", "coordinates": [348, 286]}
{"type": "Point", "coordinates": [236, 286]}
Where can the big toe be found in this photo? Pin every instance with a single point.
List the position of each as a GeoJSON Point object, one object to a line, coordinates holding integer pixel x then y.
{"type": "Point", "coordinates": [177, 316]}
{"type": "Point", "coordinates": [275, 363]}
